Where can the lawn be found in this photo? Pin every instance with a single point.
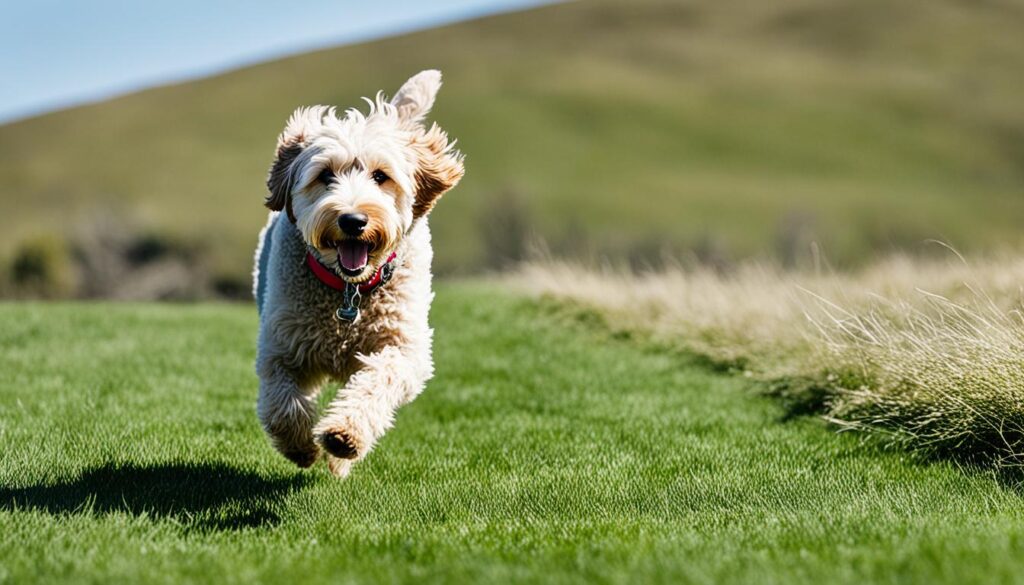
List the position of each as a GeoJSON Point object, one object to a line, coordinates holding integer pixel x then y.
{"type": "Point", "coordinates": [545, 448]}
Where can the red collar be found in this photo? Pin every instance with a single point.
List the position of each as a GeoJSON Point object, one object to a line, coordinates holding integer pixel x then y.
{"type": "Point", "coordinates": [328, 277]}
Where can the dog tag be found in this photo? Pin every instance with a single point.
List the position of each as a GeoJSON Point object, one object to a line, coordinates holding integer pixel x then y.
{"type": "Point", "coordinates": [349, 314]}
{"type": "Point", "coordinates": [349, 309]}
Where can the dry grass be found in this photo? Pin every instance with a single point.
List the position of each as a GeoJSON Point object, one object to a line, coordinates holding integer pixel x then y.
{"type": "Point", "coordinates": [930, 352]}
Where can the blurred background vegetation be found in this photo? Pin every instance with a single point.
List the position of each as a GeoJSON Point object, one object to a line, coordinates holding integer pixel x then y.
{"type": "Point", "coordinates": [719, 131]}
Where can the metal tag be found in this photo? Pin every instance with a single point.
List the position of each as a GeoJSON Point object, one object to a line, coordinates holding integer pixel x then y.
{"type": "Point", "coordinates": [350, 299]}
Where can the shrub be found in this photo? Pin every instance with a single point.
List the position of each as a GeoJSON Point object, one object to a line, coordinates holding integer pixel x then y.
{"type": "Point", "coordinates": [42, 267]}
{"type": "Point", "coordinates": [505, 229]}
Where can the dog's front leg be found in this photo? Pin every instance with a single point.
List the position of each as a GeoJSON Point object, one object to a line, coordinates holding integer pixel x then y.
{"type": "Point", "coordinates": [365, 408]}
{"type": "Point", "coordinates": [287, 407]}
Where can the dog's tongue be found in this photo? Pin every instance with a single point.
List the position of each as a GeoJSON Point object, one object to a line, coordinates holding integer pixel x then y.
{"type": "Point", "coordinates": [352, 254]}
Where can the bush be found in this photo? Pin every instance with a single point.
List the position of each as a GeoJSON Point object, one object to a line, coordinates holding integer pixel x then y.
{"type": "Point", "coordinates": [42, 267]}
{"type": "Point", "coordinates": [506, 230]}
{"type": "Point", "coordinates": [109, 258]}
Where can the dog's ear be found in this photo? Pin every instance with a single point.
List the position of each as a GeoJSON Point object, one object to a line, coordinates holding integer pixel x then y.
{"type": "Point", "coordinates": [280, 178]}
{"type": "Point", "coordinates": [439, 168]}
{"type": "Point", "coordinates": [416, 96]}
{"type": "Point", "coordinates": [289, 145]}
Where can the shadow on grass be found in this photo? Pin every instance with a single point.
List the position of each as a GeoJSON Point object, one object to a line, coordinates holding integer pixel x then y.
{"type": "Point", "coordinates": [200, 496]}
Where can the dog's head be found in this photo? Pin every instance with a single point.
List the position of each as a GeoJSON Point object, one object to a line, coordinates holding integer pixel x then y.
{"type": "Point", "coordinates": [355, 185]}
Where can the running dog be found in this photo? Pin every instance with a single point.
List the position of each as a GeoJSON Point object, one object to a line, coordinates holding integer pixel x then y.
{"type": "Point", "coordinates": [342, 278]}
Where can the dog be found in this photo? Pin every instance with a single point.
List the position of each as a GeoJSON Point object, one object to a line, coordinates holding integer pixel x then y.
{"type": "Point", "coordinates": [342, 277]}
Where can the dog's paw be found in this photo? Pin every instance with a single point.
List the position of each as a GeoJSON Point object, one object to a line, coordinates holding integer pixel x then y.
{"type": "Point", "coordinates": [339, 467]}
{"type": "Point", "coordinates": [341, 443]}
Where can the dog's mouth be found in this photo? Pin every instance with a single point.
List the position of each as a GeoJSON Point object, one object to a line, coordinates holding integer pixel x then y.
{"type": "Point", "coordinates": [353, 256]}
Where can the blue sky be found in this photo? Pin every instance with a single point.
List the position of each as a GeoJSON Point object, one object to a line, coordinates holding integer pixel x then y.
{"type": "Point", "coordinates": [55, 54]}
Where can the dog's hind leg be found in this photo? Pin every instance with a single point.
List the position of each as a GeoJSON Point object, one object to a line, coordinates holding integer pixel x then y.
{"type": "Point", "coordinates": [287, 408]}
{"type": "Point", "coordinates": [365, 408]}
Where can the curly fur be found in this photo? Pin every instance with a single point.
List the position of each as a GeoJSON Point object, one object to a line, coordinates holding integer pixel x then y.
{"type": "Point", "coordinates": [384, 358]}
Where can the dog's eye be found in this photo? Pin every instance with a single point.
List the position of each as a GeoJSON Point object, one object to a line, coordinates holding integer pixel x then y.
{"type": "Point", "coordinates": [326, 176]}
{"type": "Point", "coordinates": [379, 177]}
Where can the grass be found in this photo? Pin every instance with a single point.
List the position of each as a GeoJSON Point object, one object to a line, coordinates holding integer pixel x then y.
{"type": "Point", "coordinates": [624, 127]}
{"type": "Point", "coordinates": [942, 375]}
{"type": "Point", "coordinates": [546, 449]}
{"type": "Point", "coordinates": [929, 353]}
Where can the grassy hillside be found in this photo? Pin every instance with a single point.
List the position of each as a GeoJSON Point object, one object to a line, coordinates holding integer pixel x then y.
{"type": "Point", "coordinates": [733, 129]}
{"type": "Point", "coordinates": [543, 450]}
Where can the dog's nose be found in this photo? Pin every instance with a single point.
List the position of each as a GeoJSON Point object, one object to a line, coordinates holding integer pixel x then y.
{"type": "Point", "coordinates": [352, 223]}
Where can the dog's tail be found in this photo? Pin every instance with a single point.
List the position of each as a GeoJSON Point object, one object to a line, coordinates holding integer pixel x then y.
{"type": "Point", "coordinates": [262, 260]}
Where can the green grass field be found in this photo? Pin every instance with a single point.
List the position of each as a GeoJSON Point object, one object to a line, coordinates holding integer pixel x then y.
{"type": "Point", "coordinates": [546, 449]}
{"type": "Point", "coordinates": [623, 126]}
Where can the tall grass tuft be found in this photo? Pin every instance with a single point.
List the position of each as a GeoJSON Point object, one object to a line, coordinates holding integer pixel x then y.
{"type": "Point", "coordinates": [942, 375]}
{"type": "Point", "coordinates": [929, 353]}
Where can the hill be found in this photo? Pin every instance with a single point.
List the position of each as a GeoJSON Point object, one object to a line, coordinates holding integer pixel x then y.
{"type": "Point", "coordinates": [733, 130]}
{"type": "Point", "coordinates": [545, 449]}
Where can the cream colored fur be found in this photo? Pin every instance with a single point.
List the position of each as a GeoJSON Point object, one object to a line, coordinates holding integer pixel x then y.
{"type": "Point", "coordinates": [382, 360]}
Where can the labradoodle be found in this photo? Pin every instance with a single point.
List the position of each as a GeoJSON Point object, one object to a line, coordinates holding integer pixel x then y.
{"type": "Point", "coordinates": [342, 277]}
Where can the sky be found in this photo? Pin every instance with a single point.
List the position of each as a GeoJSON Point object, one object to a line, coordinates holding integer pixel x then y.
{"type": "Point", "coordinates": [55, 54]}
